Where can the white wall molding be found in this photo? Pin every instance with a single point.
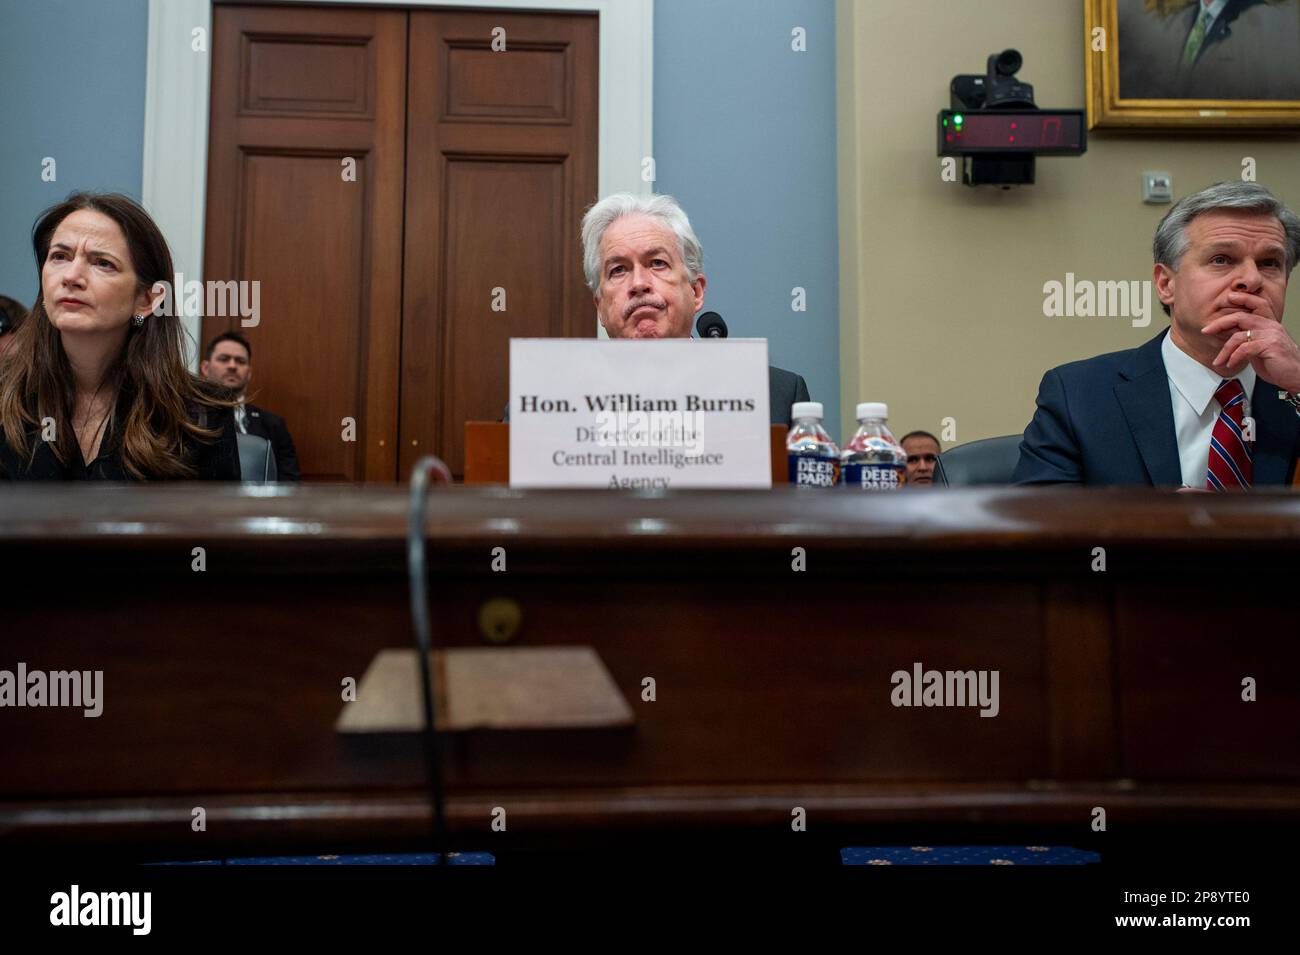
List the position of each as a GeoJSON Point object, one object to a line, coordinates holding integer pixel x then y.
{"type": "Point", "coordinates": [174, 186]}
{"type": "Point", "coordinates": [176, 106]}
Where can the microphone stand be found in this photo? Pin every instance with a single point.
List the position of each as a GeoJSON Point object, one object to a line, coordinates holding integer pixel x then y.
{"type": "Point", "coordinates": [423, 638]}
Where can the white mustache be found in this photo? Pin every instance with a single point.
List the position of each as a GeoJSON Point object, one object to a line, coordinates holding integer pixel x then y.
{"type": "Point", "coordinates": [642, 303]}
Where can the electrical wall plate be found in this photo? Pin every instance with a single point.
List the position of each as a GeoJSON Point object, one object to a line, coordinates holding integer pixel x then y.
{"type": "Point", "coordinates": [1157, 187]}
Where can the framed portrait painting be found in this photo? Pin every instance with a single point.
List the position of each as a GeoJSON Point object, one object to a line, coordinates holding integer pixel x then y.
{"type": "Point", "coordinates": [1194, 64]}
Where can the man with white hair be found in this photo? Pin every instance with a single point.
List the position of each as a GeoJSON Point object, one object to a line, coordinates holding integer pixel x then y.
{"type": "Point", "coordinates": [1213, 401]}
{"type": "Point", "coordinates": [644, 266]}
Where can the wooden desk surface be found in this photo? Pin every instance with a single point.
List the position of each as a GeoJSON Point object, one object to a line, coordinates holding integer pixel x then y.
{"type": "Point", "coordinates": [256, 517]}
{"type": "Point", "coordinates": [1120, 687]}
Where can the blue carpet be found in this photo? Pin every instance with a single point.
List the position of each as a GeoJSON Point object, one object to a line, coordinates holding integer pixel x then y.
{"type": "Point", "coordinates": [400, 858]}
{"type": "Point", "coordinates": [967, 855]}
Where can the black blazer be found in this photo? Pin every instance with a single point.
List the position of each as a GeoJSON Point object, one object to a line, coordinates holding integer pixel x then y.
{"type": "Point", "coordinates": [262, 423]}
{"type": "Point", "coordinates": [214, 461]}
{"type": "Point", "coordinates": [1110, 420]}
{"type": "Point", "coordinates": [784, 388]}
{"type": "Point", "coordinates": [1222, 27]}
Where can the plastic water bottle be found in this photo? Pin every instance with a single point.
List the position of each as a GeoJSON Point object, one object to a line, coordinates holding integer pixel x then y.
{"type": "Point", "coordinates": [814, 459]}
{"type": "Point", "coordinates": [873, 460]}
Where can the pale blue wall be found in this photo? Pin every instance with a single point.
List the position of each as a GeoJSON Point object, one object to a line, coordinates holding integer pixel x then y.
{"type": "Point", "coordinates": [744, 132]}
{"type": "Point", "coordinates": [72, 88]}
{"type": "Point", "coordinates": [744, 137]}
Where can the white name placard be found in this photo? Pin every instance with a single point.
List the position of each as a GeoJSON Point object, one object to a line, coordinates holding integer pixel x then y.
{"type": "Point", "coordinates": [628, 413]}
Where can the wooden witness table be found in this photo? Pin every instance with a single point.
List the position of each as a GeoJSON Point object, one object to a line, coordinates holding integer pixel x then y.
{"type": "Point", "coordinates": [1119, 687]}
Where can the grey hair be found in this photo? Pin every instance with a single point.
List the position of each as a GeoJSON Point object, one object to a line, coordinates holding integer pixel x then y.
{"type": "Point", "coordinates": [1171, 235]}
{"type": "Point", "coordinates": [619, 204]}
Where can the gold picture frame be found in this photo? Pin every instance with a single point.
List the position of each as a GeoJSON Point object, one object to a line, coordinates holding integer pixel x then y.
{"type": "Point", "coordinates": [1164, 34]}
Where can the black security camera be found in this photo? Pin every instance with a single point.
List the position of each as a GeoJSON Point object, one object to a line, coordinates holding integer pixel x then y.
{"type": "Point", "coordinates": [1001, 88]}
{"type": "Point", "coordinates": [998, 88]}
{"type": "Point", "coordinates": [995, 127]}
{"type": "Point", "coordinates": [1006, 63]}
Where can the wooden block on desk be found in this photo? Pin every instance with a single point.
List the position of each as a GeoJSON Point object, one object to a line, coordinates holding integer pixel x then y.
{"type": "Point", "coordinates": [780, 466]}
{"type": "Point", "coordinates": [497, 688]}
{"type": "Point", "coordinates": [487, 452]}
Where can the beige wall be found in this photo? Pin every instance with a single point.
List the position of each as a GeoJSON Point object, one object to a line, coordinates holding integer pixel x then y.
{"type": "Point", "coordinates": [941, 285]}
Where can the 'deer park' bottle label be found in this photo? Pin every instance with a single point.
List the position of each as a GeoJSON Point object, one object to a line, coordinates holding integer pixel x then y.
{"type": "Point", "coordinates": [814, 458]}
{"type": "Point", "coordinates": [875, 477]}
{"type": "Point", "coordinates": [873, 460]}
{"type": "Point", "coordinates": [814, 471]}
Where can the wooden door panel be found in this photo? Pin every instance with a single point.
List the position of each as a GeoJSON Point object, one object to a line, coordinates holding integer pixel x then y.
{"type": "Point", "coordinates": [303, 238]}
{"type": "Point", "coordinates": [502, 220]}
{"type": "Point", "coordinates": [298, 96]}
{"type": "Point", "coordinates": [501, 164]}
{"type": "Point", "coordinates": [307, 75]}
{"type": "Point", "coordinates": [534, 86]}
{"type": "Point", "coordinates": [376, 294]}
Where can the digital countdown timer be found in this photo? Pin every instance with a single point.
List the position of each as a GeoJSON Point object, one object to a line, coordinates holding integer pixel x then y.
{"type": "Point", "coordinates": [1041, 132]}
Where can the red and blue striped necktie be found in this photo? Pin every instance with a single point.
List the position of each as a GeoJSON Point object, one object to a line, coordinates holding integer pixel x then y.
{"type": "Point", "coordinates": [1230, 454]}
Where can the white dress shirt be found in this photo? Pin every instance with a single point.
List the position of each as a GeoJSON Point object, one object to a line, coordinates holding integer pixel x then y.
{"type": "Point", "coordinates": [1191, 389]}
{"type": "Point", "coordinates": [1213, 9]}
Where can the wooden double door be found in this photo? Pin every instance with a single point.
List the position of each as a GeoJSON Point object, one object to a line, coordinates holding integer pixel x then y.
{"type": "Point", "coordinates": [406, 186]}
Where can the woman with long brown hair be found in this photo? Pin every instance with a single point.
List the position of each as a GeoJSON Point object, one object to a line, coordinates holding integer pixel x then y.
{"type": "Point", "coordinates": [95, 385]}
{"type": "Point", "coordinates": [12, 314]}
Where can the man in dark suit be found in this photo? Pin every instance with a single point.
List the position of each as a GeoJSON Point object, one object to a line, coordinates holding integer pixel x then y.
{"type": "Point", "coordinates": [643, 264]}
{"type": "Point", "coordinates": [229, 362]}
{"type": "Point", "coordinates": [1209, 49]}
{"type": "Point", "coordinates": [1212, 402]}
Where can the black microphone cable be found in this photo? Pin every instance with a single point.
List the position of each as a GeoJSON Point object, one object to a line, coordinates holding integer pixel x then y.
{"type": "Point", "coordinates": [415, 563]}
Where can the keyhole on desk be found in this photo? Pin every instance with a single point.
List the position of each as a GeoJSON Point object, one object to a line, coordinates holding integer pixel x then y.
{"type": "Point", "coordinates": [499, 620]}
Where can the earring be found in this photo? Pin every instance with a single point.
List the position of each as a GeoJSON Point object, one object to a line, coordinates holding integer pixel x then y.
{"type": "Point", "coordinates": [138, 320]}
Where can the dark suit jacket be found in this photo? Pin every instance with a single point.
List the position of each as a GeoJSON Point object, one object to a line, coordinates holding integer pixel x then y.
{"type": "Point", "coordinates": [217, 460]}
{"type": "Point", "coordinates": [270, 426]}
{"type": "Point", "coordinates": [1110, 420]}
{"type": "Point", "coordinates": [1249, 53]}
{"type": "Point", "coordinates": [784, 388]}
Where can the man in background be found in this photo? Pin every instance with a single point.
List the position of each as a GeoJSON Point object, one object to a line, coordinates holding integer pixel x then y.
{"type": "Point", "coordinates": [922, 454]}
{"type": "Point", "coordinates": [229, 362]}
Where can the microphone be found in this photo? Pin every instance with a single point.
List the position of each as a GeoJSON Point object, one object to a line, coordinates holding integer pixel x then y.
{"type": "Point", "coordinates": [711, 325]}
